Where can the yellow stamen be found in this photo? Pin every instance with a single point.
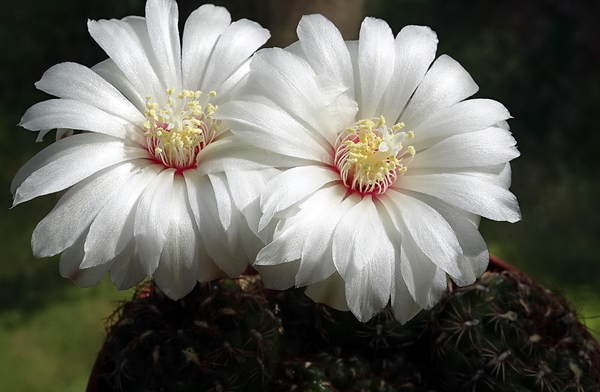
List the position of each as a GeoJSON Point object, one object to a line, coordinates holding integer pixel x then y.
{"type": "Point", "coordinates": [369, 155]}
{"type": "Point", "coordinates": [179, 130]}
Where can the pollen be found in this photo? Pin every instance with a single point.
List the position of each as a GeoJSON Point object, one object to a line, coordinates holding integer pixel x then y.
{"type": "Point", "coordinates": [178, 130]}
{"type": "Point", "coordinates": [370, 155]}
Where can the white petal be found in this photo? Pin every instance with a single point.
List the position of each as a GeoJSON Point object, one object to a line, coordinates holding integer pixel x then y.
{"type": "Point", "coordinates": [207, 269]}
{"type": "Point", "coordinates": [272, 129]}
{"type": "Point", "coordinates": [466, 116]}
{"type": "Point", "coordinates": [368, 290]}
{"type": "Point", "coordinates": [466, 192]}
{"type": "Point", "coordinates": [283, 249]}
{"type": "Point", "coordinates": [109, 71]}
{"type": "Point", "coordinates": [474, 260]}
{"type": "Point", "coordinates": [204, 207]}
{"type": "Point", "coordinates": [177, 270]}
{"type": "Point", "coordinates": [120, 40]}
{"type": "Point", "coordinates": [491, 146]}
{"type": "Point", "coordinates": [415, 48]}
{"type": "Point", "coordinates": [152, 220]}
{"type": "Point", "coordinates": [69, 266]}
{"type": "Point", "coordinates": [224, 202]}
{"type": "Point", "coordinates": [126, 270]}
{"type": "Point", "coordinates": [77, 208]}
{"type": "Point", "coordinates": [325, 50]}
{"type": "Point", "coordinates": [235, 45]}
{"type": "Point", "coordinates": [69, 161]}
{"type": "Point", "coordinates": [290, 187]}
{"type": "Point", "coordinates": [162, 17]}
{"type": "Point", "coordinates": [279, 276]}
{"type": "Point", "coordinates": [299, 96]}
{"type": "Point", "coordinates": [316, 256]}
{"type": "Point", "coordinates": [429, 231]}
{"type": "Point", "coordinates": [310, 227]}
{"type": "Point", "coordinates": [230, 154]}
{"type": "Point", "coordinates": [375, 65]}
{"type": "Point", "coordinates": [404, 305]}
{"type": "Point", "coordinates": [112, 229]}
{"type": "Point", "coordinates": [331, 292]}
{"type": "Point", "coordinates": [246, 187]}
{"type": "Point", "coordinates": [343, 112]}
{"type": "Point", "coordinates": [201, 31]}
{"type": "Point", "coordinates": [419, 273]}
{"type": "Point", "coordinates": [67, 113]}
{"type": "Point", "coordinates": [363, 255]}
{"type": "Point", "coordinates": [445, 84]}
{"type": "Point", "coordinates": [79, 83]}
{"type": "Point", "coordinates": [175, 279]}
{"type": "Point", "coordinates": [244, 241]}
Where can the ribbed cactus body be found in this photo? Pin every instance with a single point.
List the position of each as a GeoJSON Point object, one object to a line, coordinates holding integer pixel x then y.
{"type": "Point", "coordinates": [507, 333]}
{"type": "Point", "coordinates": [504, 333]}
{"type": "Point", "coordinates": [217, 338]}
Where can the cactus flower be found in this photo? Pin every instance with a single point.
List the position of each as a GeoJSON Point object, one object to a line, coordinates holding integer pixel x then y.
{"type": "Point", "coordinates": [389, 166]}
{"type": "Point", "coordinates": [145, 171]}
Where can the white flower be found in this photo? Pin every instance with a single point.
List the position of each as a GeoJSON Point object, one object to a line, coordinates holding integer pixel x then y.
{"type": "Point", "coordinates": [392, 166]}
{"type": "Point", "coordinates": [146, 188]}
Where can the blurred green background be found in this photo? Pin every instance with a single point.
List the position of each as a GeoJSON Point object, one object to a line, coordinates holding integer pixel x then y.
{"type": "Point", "coordinates": [540, 58]}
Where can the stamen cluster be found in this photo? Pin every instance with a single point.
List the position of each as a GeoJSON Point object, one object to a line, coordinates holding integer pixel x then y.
{"type": "Point", "coordinates": [369, 155]}
{"type": "Point", "coordinates": [180, 129]}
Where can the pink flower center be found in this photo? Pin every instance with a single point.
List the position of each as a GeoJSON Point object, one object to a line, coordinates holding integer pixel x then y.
{"type": "Point", "coordinates": [177, 132]}
{"type": "Point", "coordinates": [369, 155]}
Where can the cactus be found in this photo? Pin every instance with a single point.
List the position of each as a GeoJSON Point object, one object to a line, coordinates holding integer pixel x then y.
{"type": "Point", "coordinates": [220, 337]}
{"type": "Point", "coordinates": [508, 333]}
{"type": "Point", "coordinates": [503, 333]}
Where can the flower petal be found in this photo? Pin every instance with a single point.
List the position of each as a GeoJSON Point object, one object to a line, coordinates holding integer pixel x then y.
{"type": "Point", "coordinates": [325, 49]}
{"type": "Point", "coordinates": [109, 71]}
{"type": "Point", "coordinates": [245, 187]}
{"type": "Point", "coordinates": [76, 209]}
{"type": "Point", "coordinates": [127, 270]}
{"type": "Point", "coordinates": [316, 256]}
{"type": "Point", "coordinates": [445, 84]}
{"type": "Point", "coordinates": [278, 276]}
{"type": "Point", "coordinates": [268, 127]}
{"type": "Point", "coordinates": [466, 116]}
{"type": "Point", "coordinates": [67, 162]}
{"type": "Point", "coordinates": [420, 274]}
{"type": "Point", "coordinates": [234, 46]}
{"type": "Point", "coordinates": [319, 214]}
{"type": "Point", "coordinates": [76, 82]}
{"type": "Point", "coordinates": [67, 113]}
{"type": "Point", "coordinates": [423, 227]}
{"type": "Point", "coordinates": [375, 65]}
{"type": "Point", "coordinates": [415, 48]}
{"type": "Point", "coordinates": [466, 192]}
{"type": "Point", "coordinates": [297, 96]}
{"type": "Point", "coordinates": [290, 187]}
{"type": "Point", "coordinates": [224, 202]}
{"type": "Point", "coordinates": [403, 304]}
{"type": "Point", "coordinates": [491, 146]}
{"type": "Point", "coordinates": [152, 219]}
{"type": "Point", "coordinates": [363, 255]}
{"type": "Point", "coordinates": [331, 292]}
{"type": "Point", "coordinates": [229, 154]}
{"type": "Point", "coordinates": [112, 229]}
{"type": "Point", "coordinates": [206, 213]}
{"type": "Point", "coordinates": [69, 266]}
{"type": "Point", "coordinates": [475, 257]}
{"type": "Point", "coordinates": [177, 270]}
{"type": "Point", "coordinates": [202, 29]}
{"type": "Point", "coordinates": [162, 17]}
{"type": "Point", "coordinates": [120, 40]}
